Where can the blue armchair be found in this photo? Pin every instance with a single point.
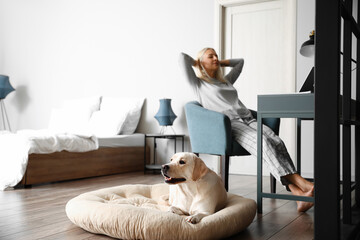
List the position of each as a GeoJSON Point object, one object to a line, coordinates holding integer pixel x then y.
{"type": "Point", "coordinates": [210, 133]}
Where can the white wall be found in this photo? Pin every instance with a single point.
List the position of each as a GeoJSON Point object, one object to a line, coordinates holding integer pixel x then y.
{"type": "Point", "coordinates": [64, 49]}
{"type": "Point", "coordinates": [305, 24]}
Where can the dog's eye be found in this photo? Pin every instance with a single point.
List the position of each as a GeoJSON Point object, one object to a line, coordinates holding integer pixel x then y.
{"type": "Point", "coordinates": [181, 162]}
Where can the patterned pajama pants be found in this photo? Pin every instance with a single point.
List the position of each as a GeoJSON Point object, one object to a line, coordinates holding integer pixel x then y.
{"type": "Point", "coordinates": [275, 154]}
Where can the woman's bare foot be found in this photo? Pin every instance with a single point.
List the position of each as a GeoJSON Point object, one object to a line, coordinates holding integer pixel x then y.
{"type": "Point", "coordinates": [300, 182]}
{"type": "Point", "coordinates": [302, 206]}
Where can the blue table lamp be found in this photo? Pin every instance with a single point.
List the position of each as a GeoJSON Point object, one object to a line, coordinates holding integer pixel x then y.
{"type": "Point", "coordinates": [5, 89]}
{"type": "Point", "coordinates": [165, 116]}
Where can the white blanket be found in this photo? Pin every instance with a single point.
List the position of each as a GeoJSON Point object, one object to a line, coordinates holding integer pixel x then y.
{"type": "Point", "coordinates": [15, 149]}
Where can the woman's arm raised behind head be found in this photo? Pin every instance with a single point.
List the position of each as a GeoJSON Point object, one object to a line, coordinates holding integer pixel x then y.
{"type": "Point", "coordinates": [187, 63]}
{"type": "Point", "coordinates": [237, 65]}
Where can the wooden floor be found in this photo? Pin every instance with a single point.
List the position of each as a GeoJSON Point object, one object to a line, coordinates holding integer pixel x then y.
{"type": "Point", "coordinates": [39, 212]}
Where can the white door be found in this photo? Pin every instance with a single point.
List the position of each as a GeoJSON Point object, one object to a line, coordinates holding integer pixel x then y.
{"type": "Point", "coordinates": [263, 33]}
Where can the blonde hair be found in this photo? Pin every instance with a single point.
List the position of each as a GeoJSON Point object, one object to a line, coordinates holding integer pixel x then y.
{"type": "Point", "coordinates": [201, 72]}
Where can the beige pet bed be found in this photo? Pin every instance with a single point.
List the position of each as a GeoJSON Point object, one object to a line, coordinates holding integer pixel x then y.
{"type": "Point", "coordinates": [137, 212]}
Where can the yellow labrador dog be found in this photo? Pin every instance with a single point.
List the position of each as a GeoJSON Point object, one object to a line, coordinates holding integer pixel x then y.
{"type": "Point", "coordinates": [195, 190]}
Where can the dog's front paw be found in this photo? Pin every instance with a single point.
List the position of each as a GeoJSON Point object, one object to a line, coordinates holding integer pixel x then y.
{"type": "Point", "coordinates": [196, 217]}
{"type": "Point", "coordinates": [192, 219]}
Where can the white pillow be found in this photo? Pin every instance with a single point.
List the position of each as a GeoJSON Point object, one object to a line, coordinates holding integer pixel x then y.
{"type": "Point", "coordinates": [68, 120]}
{"type": "Point", "coordinates": [130, 107]}
{"type": "Point", "coordinates": [86, 105]}
{"type": "Point", "coordinates": [74, 115]}
{"type": "Point", "coordinates": [106, 123]}
{"type": "Point", "coordinates": [133, 117]}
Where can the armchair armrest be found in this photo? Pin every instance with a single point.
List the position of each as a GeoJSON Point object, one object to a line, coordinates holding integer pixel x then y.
{"type": "Point", "coordinates": [210, 131]}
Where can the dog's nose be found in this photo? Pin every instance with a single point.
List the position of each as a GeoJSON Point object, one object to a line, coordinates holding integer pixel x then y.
{"type": "Point", "coordinates": [165, 167]}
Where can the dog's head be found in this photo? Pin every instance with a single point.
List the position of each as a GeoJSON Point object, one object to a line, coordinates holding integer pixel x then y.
{"type": "Point", "coordinates": [183, 167]}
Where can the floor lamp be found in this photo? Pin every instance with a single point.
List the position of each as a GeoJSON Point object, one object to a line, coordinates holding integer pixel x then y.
{"type": "Point", "coordinates": [5, 89]}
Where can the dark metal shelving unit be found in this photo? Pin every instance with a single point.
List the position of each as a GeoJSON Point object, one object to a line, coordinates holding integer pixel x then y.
{"type": "Point", "coordinates": [335, 27]}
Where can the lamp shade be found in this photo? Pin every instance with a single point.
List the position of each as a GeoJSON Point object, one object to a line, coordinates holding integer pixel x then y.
{"type": "Point", "coordinates": [5, 86]}
{"type": "Point", "coordinates": [308, 47]}
{"type": "Point", "coordinates": [165, 116]}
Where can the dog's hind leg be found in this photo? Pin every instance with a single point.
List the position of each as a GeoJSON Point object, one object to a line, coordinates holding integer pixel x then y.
{"type": "Point", "coordinates": [177, 211]}
{"type": "Point", "coordinates": [164, 200]}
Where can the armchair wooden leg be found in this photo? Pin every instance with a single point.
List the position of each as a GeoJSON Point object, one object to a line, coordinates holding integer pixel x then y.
{"type": "Point", "coordinates": [224, 160]}
{"type": "Point", "coordinates": [272, 184]}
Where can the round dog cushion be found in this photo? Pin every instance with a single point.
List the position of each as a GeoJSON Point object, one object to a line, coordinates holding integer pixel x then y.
{"type": "Point", "coordinates": [139, 212]}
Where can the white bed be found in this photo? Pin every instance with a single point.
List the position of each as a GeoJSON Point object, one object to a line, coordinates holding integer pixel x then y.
{"type": "Point", "coordinates": [133, 140]}
{"type": "Point", "coordinates": [86, 138]}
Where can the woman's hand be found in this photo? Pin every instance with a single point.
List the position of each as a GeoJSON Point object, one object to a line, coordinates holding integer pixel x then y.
{"type": "Point", "coordinates": [224, 63]}
{"type": "Point", "coordinates": [196, 63]}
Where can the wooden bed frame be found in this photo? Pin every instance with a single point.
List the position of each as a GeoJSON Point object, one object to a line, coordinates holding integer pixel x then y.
{"type": "Point", "coordinates": [60, 166]}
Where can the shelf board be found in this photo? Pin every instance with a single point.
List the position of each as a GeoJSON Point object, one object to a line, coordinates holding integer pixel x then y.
{"type": "Point", "coordinates": [153, 166]}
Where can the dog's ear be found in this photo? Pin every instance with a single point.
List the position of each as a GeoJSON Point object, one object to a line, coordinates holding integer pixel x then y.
{"type": "Point", "coordinates": [200, 168]}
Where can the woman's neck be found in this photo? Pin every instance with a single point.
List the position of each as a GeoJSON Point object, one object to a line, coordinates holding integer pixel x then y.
{"type": "Point", "coordinates": [211, 73]}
